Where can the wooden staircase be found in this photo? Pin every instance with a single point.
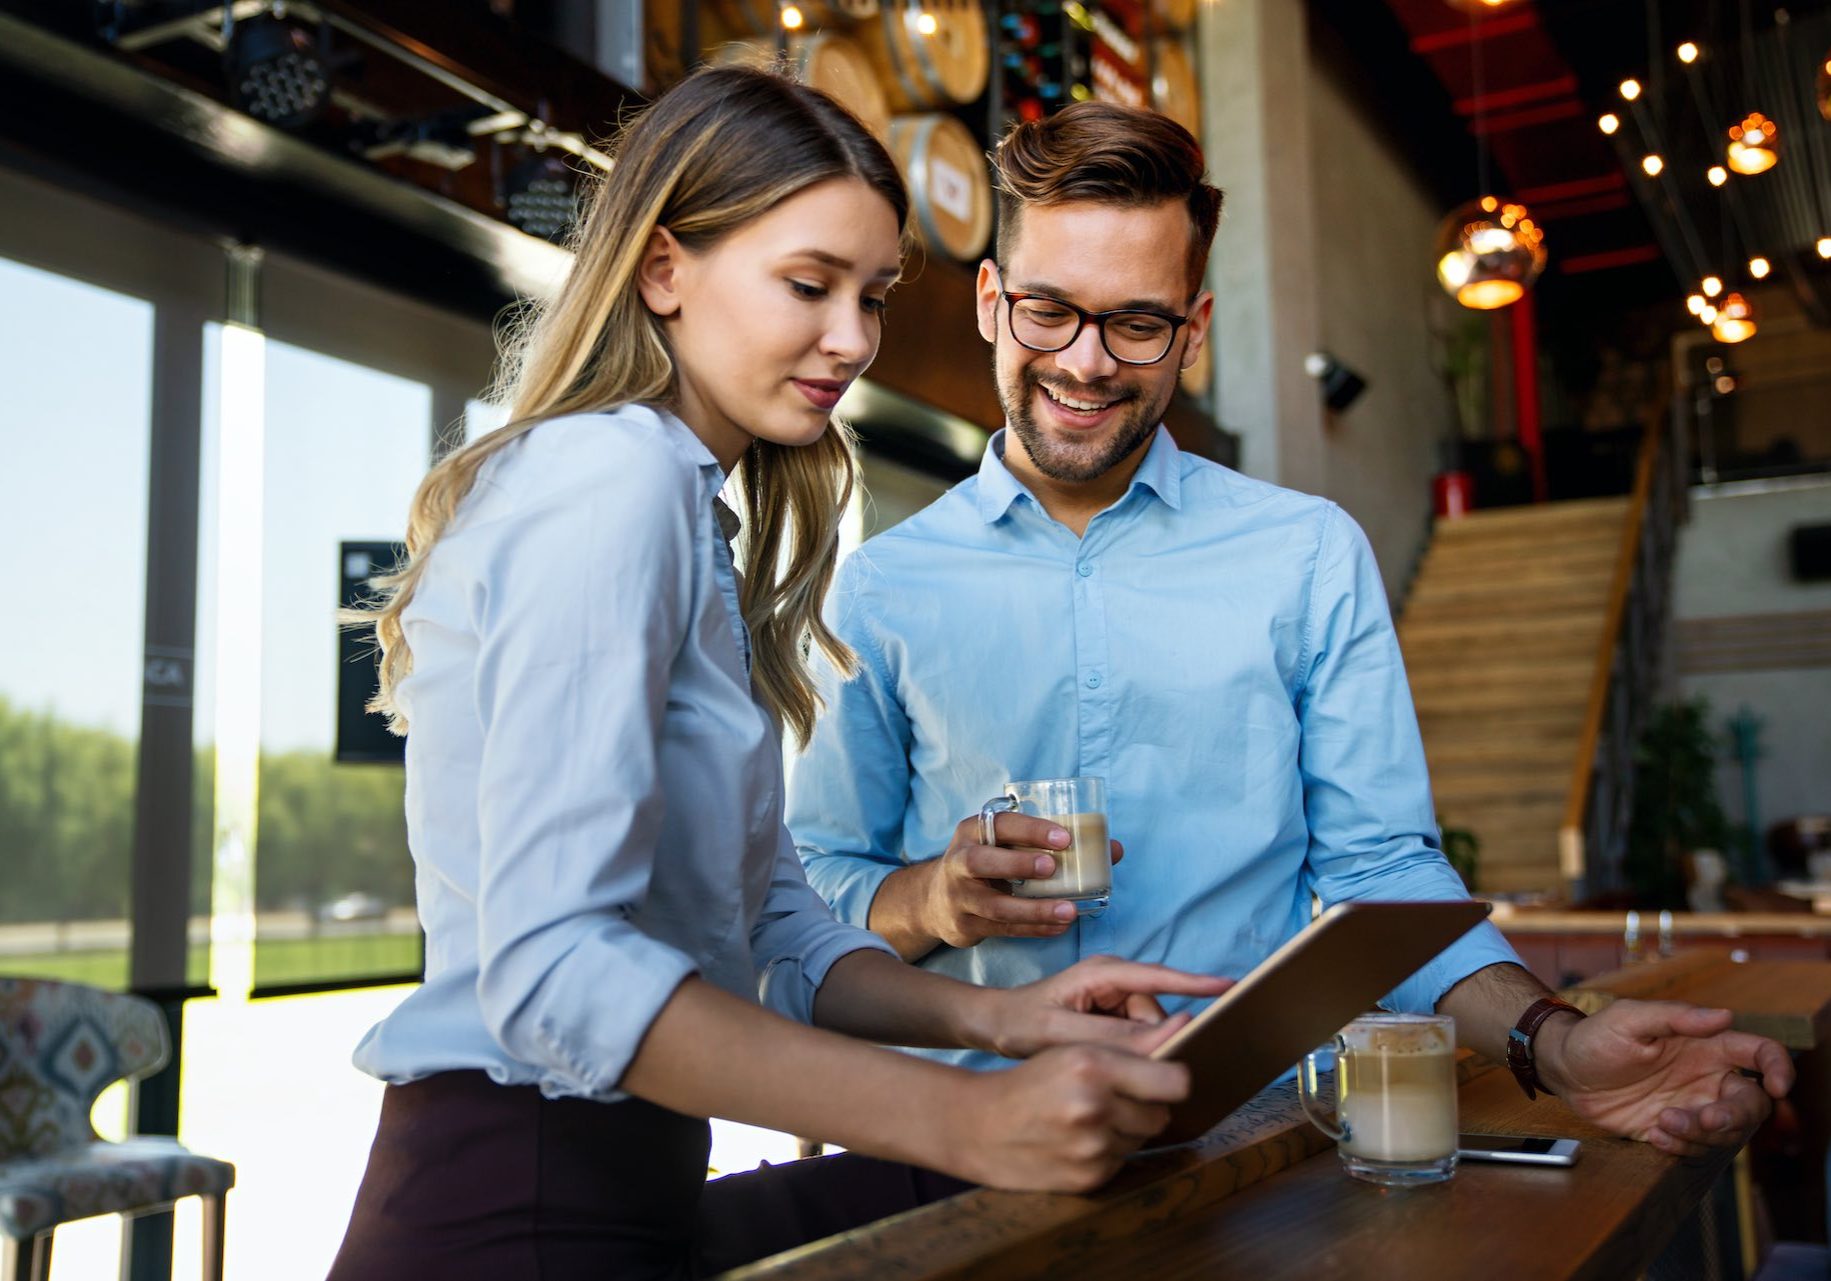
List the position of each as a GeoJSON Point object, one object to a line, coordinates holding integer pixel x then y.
{"type": "Point", "coordinates": [1501, 634]}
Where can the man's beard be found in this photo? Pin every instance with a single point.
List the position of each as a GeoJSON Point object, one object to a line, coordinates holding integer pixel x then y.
{"type": "Point", "coordinates": [1082, 461]}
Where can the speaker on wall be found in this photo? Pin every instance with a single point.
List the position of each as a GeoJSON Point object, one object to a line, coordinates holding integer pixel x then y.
{"type": "Point", "coordinates": [362, 735]}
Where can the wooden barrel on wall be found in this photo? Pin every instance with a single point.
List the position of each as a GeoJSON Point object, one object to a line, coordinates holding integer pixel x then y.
{"type": "Point", "coordinates": [920, 68]}
{"type": "Point", "coordinates": [828, 62]}
{"type": "Point", "coordinates": [762, 17]}
{"type": "Point", "coordinates": [1174, 89]}
{"type": "Point", "coordinates": [948, 184]}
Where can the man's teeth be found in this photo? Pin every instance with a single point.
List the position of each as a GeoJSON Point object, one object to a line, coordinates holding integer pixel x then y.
{"type": "Point", "coordinates": [1084, 406]}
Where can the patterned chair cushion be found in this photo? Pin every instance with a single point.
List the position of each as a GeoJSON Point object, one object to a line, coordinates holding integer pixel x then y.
{"type": "Point", "coordinates": [103, 1178]}
{"type": "Point", "coordinates": [61, 1045]}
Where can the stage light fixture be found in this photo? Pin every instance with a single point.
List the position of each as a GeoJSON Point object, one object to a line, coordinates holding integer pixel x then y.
{"type": "Point", "coordinates": [276, 71]}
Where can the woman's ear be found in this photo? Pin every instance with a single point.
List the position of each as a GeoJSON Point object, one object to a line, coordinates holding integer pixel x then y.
{"type": "Point", "coordinates": [658, 276]}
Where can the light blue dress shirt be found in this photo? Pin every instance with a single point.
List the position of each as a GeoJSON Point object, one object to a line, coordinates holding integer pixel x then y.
{"type": "Point", "coordinates": [594, 798]}
{"type": "Point", "coordinates": [1218, 649]}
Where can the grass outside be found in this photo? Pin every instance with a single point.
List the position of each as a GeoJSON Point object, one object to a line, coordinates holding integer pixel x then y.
{"type": "Point", "coordinates": [280, 961]}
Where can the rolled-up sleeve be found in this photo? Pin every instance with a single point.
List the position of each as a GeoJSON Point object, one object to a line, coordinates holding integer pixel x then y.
{"type": "Point", "coordinates": [796, 940]}
{"type": "Point", "coordinates": [1373, 831]}
{"type": "Point", "coordinates": [850, 789]}
{"type": "Point", "coordinates": [579, 619]}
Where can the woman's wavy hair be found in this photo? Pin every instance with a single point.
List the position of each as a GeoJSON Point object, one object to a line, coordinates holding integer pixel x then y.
{"type": "Point", "coordinates": [723, 147]}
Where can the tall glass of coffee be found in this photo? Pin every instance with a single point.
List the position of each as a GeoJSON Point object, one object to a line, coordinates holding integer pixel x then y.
{"type": "Point", "coordinates": [1395, 1097]}
{"type": "Point", "coordinates": [1083, 871]}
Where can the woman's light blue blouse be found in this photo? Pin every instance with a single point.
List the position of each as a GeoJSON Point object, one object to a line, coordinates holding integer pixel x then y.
{"type": "Point", "coordinates": [593, 794]}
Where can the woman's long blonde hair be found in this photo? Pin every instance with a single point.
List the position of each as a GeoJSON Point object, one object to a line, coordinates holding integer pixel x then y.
{"type": "Point", "coordinates": [724, 146]}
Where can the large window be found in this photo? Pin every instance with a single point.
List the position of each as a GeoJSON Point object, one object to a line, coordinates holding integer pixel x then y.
{"type": "Point", "coordinates": [76, 363]}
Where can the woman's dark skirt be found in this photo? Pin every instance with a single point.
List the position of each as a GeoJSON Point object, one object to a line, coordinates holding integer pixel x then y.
{"type": "Point", "coordinates": [470, 1180]}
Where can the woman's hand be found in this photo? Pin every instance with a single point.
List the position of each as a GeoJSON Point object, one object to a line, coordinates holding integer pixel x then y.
{"type": "Point", "coordinates": [1063, 1122]}
{"type": "Point", "coordinates": [1100, 999]}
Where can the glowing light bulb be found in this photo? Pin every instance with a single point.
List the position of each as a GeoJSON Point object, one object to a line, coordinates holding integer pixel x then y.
{"type": "Point", "coordinates": [1695, 304]}
{"type": "Point", "coordinates": [1712, 286]}
{"type": "Point", "coordinates": [1717, 174]}
{"type": "Point", "coordinates": [1653, 165]}
{"type": "Point", "coordinates": [1708, 314]}
{"type": "Point", "coordinates": [1758, 268]}
{"type": "Point", "coordinates": [1824, 246]}
{"type": "Point", "coordinates": [928, 24]}
{"type": "Point", "coordinates": [1687, 53]}
{"type": "Point", "coordinates": [791, 17]}
{"type": "Point", "coordinates": [1630, 89]}
{"type": "Point", "coordinates": [1609, 123]}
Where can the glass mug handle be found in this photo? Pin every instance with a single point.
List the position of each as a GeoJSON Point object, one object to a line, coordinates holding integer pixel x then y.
{"type": "Point", "coordinates": [1309, 1090]}
{"type": "Point", "coordinates": [1006, 804]}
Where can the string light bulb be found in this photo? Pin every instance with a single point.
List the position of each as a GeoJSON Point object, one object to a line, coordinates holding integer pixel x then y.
{"type": "Point", "coordinates": [1687, 53]}
{"type": "Point", "coordinates": [1707, 314]}
{"type": "Point", "coordinates": [1712, 286]}
{"type": "Point", "coordinates": [1609, 123]}
{"type": "Point", "coordinates": [1753, 144]}
{"type": "Point", "coordinates": [1630, 89]}
{"type": "Point", "coordinates": [1758, 267]}
{"type": "Point", "coordinates": [1695, 304]}
{"type": "Point", "coordinates": [1717, 174]}
{"type": "Point", "coordinates": [791, 18]}
{"type": "Point", "coordinates": [928, 24]}
{"type": "Point", "coordinates": [1735, 320]}
{"type": "Point", "coordinates": [1824, 246]}
{"type": "Point", "coordinates": [1653, 164]}
{"type": "Point", "coordinates": [1489, 252]}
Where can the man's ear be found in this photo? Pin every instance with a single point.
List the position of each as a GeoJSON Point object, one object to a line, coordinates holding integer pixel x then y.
{"type": "Point", "coordinates": [658, 275]}
{"type": "Point", "coordinates": [1201, 315]}
{"type": "Point", "coordinates": [985, 300]}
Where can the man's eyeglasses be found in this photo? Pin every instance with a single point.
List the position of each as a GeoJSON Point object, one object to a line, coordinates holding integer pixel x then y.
{"type": "Point", "coordinates": [1042, 323]}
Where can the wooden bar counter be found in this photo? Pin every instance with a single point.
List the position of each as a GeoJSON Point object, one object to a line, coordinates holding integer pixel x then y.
{"type": "Point", "coordinates": [1263, 1197]}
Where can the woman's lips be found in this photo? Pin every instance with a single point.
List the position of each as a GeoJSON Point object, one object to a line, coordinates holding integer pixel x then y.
{"type": "Point", "coordinates": [821, 393]}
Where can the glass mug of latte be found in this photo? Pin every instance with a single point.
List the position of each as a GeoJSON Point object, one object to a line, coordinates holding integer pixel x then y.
{"type": "Point", "coordinates": [1395, 1097]}
{"type": "Point", "coordinates": [1083, 871]}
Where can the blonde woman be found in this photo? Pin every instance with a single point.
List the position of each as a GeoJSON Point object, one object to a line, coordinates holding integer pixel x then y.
{"type": "Point", "coordinates": [594, 693]}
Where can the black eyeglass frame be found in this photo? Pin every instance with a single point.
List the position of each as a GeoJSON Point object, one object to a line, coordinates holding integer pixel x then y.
{"type": "Point", "coordinates": [1098, 319]}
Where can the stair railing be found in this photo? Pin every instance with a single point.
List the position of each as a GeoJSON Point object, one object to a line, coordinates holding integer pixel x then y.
{"type": "Point", "coordinates": [1593, 836]}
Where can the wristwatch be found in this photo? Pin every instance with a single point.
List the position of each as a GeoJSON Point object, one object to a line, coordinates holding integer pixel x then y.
{"type": "Point", "coordinates": [1520, 1058]}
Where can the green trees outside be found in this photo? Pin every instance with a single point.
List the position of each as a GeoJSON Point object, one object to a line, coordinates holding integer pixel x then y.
{"type": "Point", "coordinates": [67, 812]}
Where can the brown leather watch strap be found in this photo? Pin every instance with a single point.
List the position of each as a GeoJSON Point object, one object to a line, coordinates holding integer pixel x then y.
{"type": "Point", "coordinates": [1519, 1042]}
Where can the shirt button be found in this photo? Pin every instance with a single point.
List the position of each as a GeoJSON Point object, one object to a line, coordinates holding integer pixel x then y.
{"type": "Point", "coordinates": [1084, 569]}
{"type": "Point", "coordinates": [1093, 681]}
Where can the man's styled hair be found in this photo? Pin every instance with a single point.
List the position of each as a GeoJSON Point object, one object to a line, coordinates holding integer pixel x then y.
{"type": "Point", "coordinates": [1107, 154]}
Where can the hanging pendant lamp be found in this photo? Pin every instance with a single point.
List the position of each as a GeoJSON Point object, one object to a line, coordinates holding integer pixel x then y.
{"type": "Point", "coordinates": [1753, 145]}
{"type": "Point", "coordinates": [1488, 253]}
{"type": "Point", "coordinates": [1735, 320]}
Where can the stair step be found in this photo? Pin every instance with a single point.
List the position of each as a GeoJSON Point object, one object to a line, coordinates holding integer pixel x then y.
{"type": "Point", "coordinates": [1476, 755]}
{"type": "Point", "coordinates": [1480, 627]}
{"type": "Point", "coordinates": [1549, 678]}
{"type": "Point", "coordinates": [1505, 787]}
{"type": "Point", "coordinates": [1502, 600]}
{"type": "Point", "coordinates": [1536, 816]}
{"type": "Point", "coordinates": [1527, 643]}
{"type": "Point", "coordinates": [1562, 540]}
{"type": "Point", "coordinates": [1519, 880]}
{"type": "Point", "coordinates": [1536, 516]}
{"type": "Point", "coordinates": [1596, 559]}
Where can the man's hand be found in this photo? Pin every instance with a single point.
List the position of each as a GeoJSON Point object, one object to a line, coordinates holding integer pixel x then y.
{"type": "Point", "coordinates": [1664, 1072]}
{"type": "Point", "coordinates": [964, 895]}
{"type": "Point", "coordinates": [1100, 999]}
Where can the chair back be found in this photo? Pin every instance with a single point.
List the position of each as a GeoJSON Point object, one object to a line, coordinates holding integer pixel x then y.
{"type": "Point", "coordinates": [61, 1045]}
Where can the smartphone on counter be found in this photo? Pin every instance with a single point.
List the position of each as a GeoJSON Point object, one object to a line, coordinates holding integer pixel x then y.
{"type": "Point", "coordinates": [1517, 1149]}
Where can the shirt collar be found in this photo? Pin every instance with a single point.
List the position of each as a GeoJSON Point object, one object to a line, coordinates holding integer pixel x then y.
{"type": "Point", "coordinates": [1161, 472]}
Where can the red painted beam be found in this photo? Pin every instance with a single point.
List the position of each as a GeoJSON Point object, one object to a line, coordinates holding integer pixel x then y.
{"type": "Point", "coordinates": [1561, 87]}
{"type": "Point", "coordinates": [1509, 121]}
{"type": "Point", "coordinates": [1512, 24]}
{"type": "Point", "coordinates": [1608, 259]}
{"type": "Point", "coordinates": [1554, 191]}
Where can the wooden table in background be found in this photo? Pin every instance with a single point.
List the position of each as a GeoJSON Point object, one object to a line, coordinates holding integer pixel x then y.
{"type": "Point", "coordinates": [1263, 1197]}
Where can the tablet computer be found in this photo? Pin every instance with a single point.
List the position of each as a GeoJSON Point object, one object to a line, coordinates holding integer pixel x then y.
{"type": "Point", "coordinates": [1335, 969]}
